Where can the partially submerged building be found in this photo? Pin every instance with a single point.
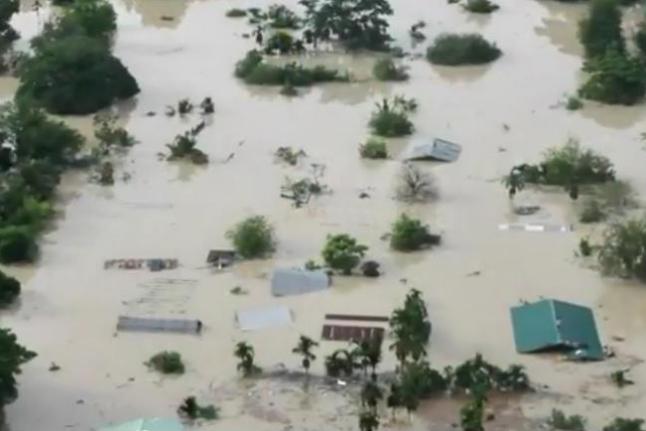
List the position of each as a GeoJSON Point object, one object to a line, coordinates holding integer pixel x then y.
{"type": "Point", "coordinates": [433, 149]}
{"type": "Point", "coordinates": [295, 281]}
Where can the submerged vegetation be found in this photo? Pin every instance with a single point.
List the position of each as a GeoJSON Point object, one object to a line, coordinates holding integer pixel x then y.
{"type": "Point", "coordinates": [72, 70]}
{"type": "Point", "coordinates": [253, 237]}
{"type": "Point", "coordinates": [480, 6]}
{"type": "Point", "coordinates": [343, 253]}
{"type": "Point", "coordinates": [622, 252]}
{"type": "Point", "coordinates": [391, 117]}
{"type": "Point", "coordinates": [12, 356]}
{"type": "Point", "coordinates": [183, 147]}
{"type": "Point", "coordinates": [409, 234]}
{"type": "Point", "coordinates": [167, 363]}
{"type": "Point", "coordinates": [373, 149]}
{"type": "Point", "coordinates": [386, 70]}
{"type": "Point", "coordinates": [246, 354]}
{"type": "Point", "coordinates": [414, 185]}
{"type": "Point", "coordinates": [254, 70]}
{"type": "Point", "coordinates": [9, 289]}
{"type": "Point", "coordinates": [462, 49]}
{"type": "Point", "coordinates": [190, 409]}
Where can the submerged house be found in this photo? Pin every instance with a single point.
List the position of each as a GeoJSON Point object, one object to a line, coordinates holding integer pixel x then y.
{"type": "Point", "coordinates": [295, 281]}
{"type": "Point", "coordinates": [552, 325]}
{"type": "Point", "coordinates": [435, 149]}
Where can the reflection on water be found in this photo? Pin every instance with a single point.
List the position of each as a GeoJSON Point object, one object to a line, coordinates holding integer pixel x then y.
{"type": "Point", "coordinates": [461, 73]}
{"type": "Point", "coordinates": [561, 25]}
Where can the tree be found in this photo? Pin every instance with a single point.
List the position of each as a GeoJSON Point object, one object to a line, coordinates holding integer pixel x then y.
{"type": "Point", "coordinates": [471, 414]}
{"type": "Point", "coordinates": [371, 394]}
{"type": "Point", "coordinates": [368, 421]}
{"type": "Point", "coordinates": [368, 352]}
{"type": "Point", "coordinates": [245, 353]}
{"type": "Point", "coordinates": [410, 234]}
{"type": "Point", "coordinates": [12, 356]}
{"type": "Point", "coordinates": [343, 253]}
{"type": "Point", "coordinates": [9, 289]}
{"type": "Point", "coordinates": [96, 18]}
{"type": "Point", "coordinates": [410, 328]}
{"type": "Point", "coordinates": [304, 348]}
{"type": "Point", "coordinates": [167, 363]}
{"type": "Point", "coordinates": [7, 33]}
{"type": "Point", "coordinates": [75, 75]}
{"type": "Point", "coordinates": [253, 237]}
{"type": "Point", "coordinates": [462, 49]}
{"type": "Point", "coordinates": [357, 24]}
{"type": "Point", "coordinates": [601, 30]}
{"type": "Point", "coordinates": [622, 253]}
{"type": "Point", "coordinates": [17, 244]}
{"type": "Point", "coordinates": [615, 78]}
{"type": "Point", "coordinates": [640, 38]}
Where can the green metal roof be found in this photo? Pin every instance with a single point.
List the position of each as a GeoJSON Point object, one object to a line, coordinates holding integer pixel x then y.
{"type": "Point", "coordinates": [556, 325]}
{"type": "Point", "coordinates": [154, 424]}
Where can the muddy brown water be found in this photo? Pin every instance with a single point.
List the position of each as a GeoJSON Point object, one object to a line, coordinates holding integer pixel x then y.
{"type": "Point", "coordinates": [69, 306]}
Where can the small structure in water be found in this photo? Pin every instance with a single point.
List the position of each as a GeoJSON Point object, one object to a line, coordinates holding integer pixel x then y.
{"type": "Point", "coordinates": [551, 325]}
{"type": "Point", "coordinates": [221, 258]}
{"type": "Point", "coordinates": [150, 324]}
{"type": "Point", "coordinates": [436, 149]}
{"type": "Point", "coordinates": [155, 264]}
{"type": "Point", "coordinates": [295, 281]}
{"type": "Point", "coordinates": [153, 424]}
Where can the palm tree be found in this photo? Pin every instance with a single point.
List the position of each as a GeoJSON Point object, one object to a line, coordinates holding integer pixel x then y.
{"type": "Point", "coordinates": [303, 348]}
{"type": "Point", "coordinates": [371, 394]}
{"type": "Point", "coordinates": [368, 353]}
{"type": "Point", "coordinates": [245, 353]}
{"type": "Point", "coordinates": [368, 421]}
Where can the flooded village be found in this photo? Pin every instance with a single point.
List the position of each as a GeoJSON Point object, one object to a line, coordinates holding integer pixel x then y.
{"type": "Point", "coordinates": [283, 215]}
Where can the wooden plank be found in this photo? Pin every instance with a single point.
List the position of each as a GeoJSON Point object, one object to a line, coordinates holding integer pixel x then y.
{"type": "Point", "coordinates": [356, 317]}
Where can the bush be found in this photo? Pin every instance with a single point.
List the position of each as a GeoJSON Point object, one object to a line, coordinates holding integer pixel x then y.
{"type": "Point", "coordinates": [12, 356]}
{"type": "Point", "coordinates": [560, 421]}
{"type": "Point", "coordinates": [418, 379]}
{"type": "Point", "coordinates": [282, 43]}
{"type": "Point", "coordinates": [183, 147]}
{"type": "Point", "coordinates": [236, 13]}
{"type": "Point", "coordinates": [343, 253]}
{"type": "Point", "coordinates": [253, 237]}
{"type": "Point", "coordinates": [386, 70]}
{"type": "Point", "coordinates": [585, 248]}
{"type": "Point", "coordinates": [623, 424]}
{"type": "Point", "coordinates": [167, 363]}
{"type": "Point", "coordinates": [481, 6]}
{"type": "Point", "coordinates": [192, 410]}
{"type": "Point", "coordinates": [280, 16]}
{"type": "Point", "coordinates": [602, 29]}
{"type": "Point", "coordinates": [75, 75]}
{"type": "Point", "coordinates": [615, 78]}
{"type": "Point", "coordinates": [573, 104]}
{"type": "Point", "coordinates": [109, 134]}
{"type": "Point", "coordinates": [415, 185]}
{"type": "Point", "coordinates": [462, 49]}
{"type": "Point", "coordinates": [622, 252]}
{"type": "Point", "coordinates": [391, 118]}
{"type": "Point", "coordinates": [373, 149]}
{"type": "Point", "coordinates": [17, 244]}
{"type": "Point", "coordinates": [253, 70]}
{"type": "Point", "coordinates": [410, 234]}
{"type": "Point", "coordinates": [592, 212]}
{"type": "Point", "coordinates": [640, 38]}
{"type": "Point", "coordinates": [9, 289]}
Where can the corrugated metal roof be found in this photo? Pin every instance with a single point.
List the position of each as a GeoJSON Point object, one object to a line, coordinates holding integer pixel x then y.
{"type": "Point", "coordinates": [288, 281]}
{"type": "Point", "coordinates": [154, 424]}
{"type": "Point", "coordinates": [436, 149]}
{"type": "Point", "coordinates": [556, 325]}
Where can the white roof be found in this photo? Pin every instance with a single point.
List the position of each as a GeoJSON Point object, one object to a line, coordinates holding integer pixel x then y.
{"type": "Point", "coordinates": [436, 149]}
{"type": "Point", "coordinates": [294, 281]}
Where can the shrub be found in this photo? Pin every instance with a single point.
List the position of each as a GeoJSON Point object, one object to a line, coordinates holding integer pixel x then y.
{"type": "Point", "coordinates": [481, 6]}
{"type": "Point", "coordinates": [282, 43]}
{"type": "Point", "coordinates": [386, 70]}
{"type": "Point", "coordinates": [17, 244]}
{"type": "Point", "coordinates": [623, 424]}
{"type": "Point", "coordinates": [373, 149]}
{"type": "Point", "coordinates": [167, 363]}
{"type": "Point", "coordinates": [236, 13]}
{"type": "Point", "coordinates": [640, 38]}
{"type": "Point", "coordinates": [343, 253]}
{"type": "Point", "coordinates": [192, 410]}
{"type": "Point", "coordinates": [462, 49]}
{"type": "Point", "coordinates": [602, 29]}
{"type": "Point", "coordinates": [422, 380]}
{"type": "Point", "coordinates": [280, 16]}
{"type": "Point", "coordinates": [560, 421]}
{"type": "Point", "coordinates": [622, 252]}
{"type": "Point", "coordinates": [9, 289]}
{"type": "Point", "coordinates": [75, 75]}
{"type": "Point", "coordinates": [615, 78]}
{"type": "Point", "coordinates": [12, 356]}
{"type": "Point", "coordinates": [253, 70]}
{"type": "Point", "coordinates": [357, 24]}
{"type": "Point", "coordinates": [183, 146]}
{"type": "Point", "coordinates": [410, 234]}
{"type": "Point", "coordinates": [415, 185]}
{"type": "Point", "coordinates": [391, 117]}
{"type": "Point", "coordinates": [592, 212]}
{"type": "Point", "coordinates": [253, 237]}
{"type": "Point", "coordinates": [109, 134]}
{"type": "Point", "coordinates": [573, 104]}
{"type": "Point", "coordinates": [585, 248]}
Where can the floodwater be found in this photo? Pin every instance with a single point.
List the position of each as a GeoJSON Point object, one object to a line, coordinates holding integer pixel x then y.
{"type": "Point", "coordinates": [504, 113]}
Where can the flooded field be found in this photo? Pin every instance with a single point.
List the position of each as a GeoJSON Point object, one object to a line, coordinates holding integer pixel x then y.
{"type": "Point", "coordinates": [502, 114]}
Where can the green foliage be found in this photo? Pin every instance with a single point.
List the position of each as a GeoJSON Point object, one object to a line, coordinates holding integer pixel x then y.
{"type": "Point", "coordinates": [283, 43]}
{"type": "Point", "coordinates": [96, 18]}
{"type": "Point", "coordinates": [245, 353]}
{"type": "Point", "coordinates": [410, 328]}
{"type": "Point", "coordinates": [615, 78]}
{"type": "Point", "coordinates": [419, 380]}
{"type": "Point", "coordinates": [561, 421]}
{"type": "Point", "coordinates": [7, 33]}
{"type": "Point", "coordinates": [253, 70]}
{"type": "Point", "coordinates": [386, 70]}
{"type": "Point", "coordinates": [339, 363]}
{"type": "Point", "coordinates": [640, 38]}
{"type": "Point", "coordinates": [481, 6]}
{"type": "Point", "coordinates": [280, 16]}
{"type": "Point", "coordinates": [462, 49]}
{"type": "Point", "coordinates": [391, 117]}
{"type": "Point", "coordinates": [253, 237]}
{"type": "Point", "coordinates": [236, 13]}
{"type": "Point", "coordinates": [342, 252]}
{"type": "Point", "coordinates": [585, 248]}
{"type": "Point", "coordinates": [304, 348]}
{"type": "Point", "coordinates": [192, 410]}
{"type": "Point", "coordinates": [477, 375]}
{"type": "Point", "coordinates": [357, 24]}
{"type": "Point", "coordinates": [410, 234]}
{"type": "Point", "coordinates": [183, 147]}
{"type": "Point", "coordinates": [573, 104]}
{"type": "Point", "coordinates": [75, 75]}
{"type": "Point", "coordinates": [12, 356]}
{"type": "Point", "coordinates": [373, 149]}
{"type": "Point", "coordinates": [17, 244]}
{"type": "Point", "coordinates": [109, 134]}
{"type": "Point", "coordinates": [472, 413]}
{"type": "Point", "coordinates": [601, 30]}
{"type": "Point", "coordinates": [623, 424]}
{"type": "Point", "coordinates": [619, 378]}
{"type": "Point", "coordinates": [367, 353]}
{"type": "Point", "coordinates": [167, 363]}
{"type": "Point", "coordinates": [9, 289]}
{"type": "Point", "coordinates": [592, 212]}
{"type": "Point", "coordinates": [368, 420]}
{"type": "Point", "coordinates": [622, 252]}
